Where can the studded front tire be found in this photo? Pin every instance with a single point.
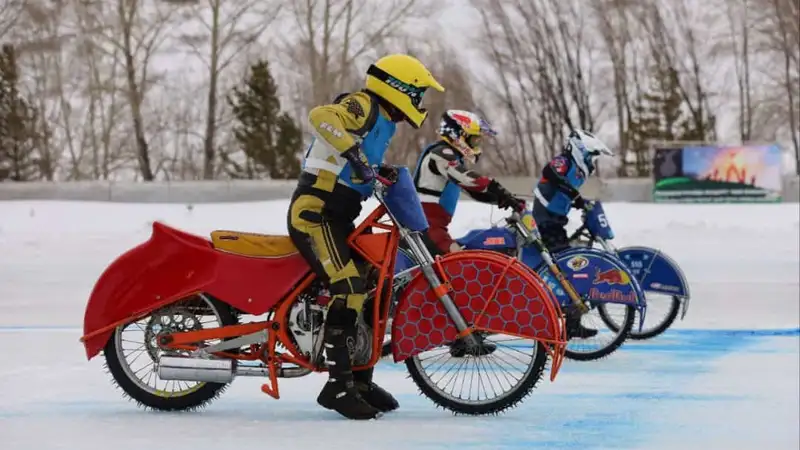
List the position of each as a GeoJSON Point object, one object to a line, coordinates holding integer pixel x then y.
{"type": "Point", "coordinates": [459, 405]}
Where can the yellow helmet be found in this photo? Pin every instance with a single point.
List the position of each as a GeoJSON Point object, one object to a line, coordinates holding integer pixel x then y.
{"type": "Point", "coordinates": [402, 80]}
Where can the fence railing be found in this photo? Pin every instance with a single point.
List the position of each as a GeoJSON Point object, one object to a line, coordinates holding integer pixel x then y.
{"type": "Point", "coordinates": [613, 189]}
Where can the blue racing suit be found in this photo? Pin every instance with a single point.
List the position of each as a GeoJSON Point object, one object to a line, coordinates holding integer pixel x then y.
{"type": "Point", "coordinates": [554, 195]}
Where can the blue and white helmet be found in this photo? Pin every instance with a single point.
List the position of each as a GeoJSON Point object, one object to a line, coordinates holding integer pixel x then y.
{"type": "Point", "coordinates": [584, 149]}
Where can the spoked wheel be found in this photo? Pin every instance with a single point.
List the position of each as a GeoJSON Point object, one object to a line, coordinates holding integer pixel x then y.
{"type": "Point", "coordinates": [132, 352]}
{"type": "Point", "coordinates": [474, 382]}
{"type": "Point", "coordinates": [592, 339]}
{"type": "Point", "coordinates": [661, 314]}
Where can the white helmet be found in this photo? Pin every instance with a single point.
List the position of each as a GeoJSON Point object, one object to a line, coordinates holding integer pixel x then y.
{"type": "Point", "coordinates": [584, 149]}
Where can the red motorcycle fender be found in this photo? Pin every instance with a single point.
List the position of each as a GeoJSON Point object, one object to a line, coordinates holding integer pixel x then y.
{"type": "Point", "coordinates": [173, 265]}
{"type": "Point", "coordinates": [492, 292]}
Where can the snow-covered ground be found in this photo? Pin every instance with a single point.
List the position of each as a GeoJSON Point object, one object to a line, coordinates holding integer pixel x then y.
{"type": "Point", "coordinates": [725, 377]}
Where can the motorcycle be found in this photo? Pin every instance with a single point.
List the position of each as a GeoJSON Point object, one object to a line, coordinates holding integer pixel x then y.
{"type": "Point", "coordinates": [654, 270]}
{"type": "Point", "coordinates": [575, 277]}
{"type": "Point", "coordinates": [187, 295]}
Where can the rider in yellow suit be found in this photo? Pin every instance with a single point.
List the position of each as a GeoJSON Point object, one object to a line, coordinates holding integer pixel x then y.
{"type": "Point", "coordinates": [351, 136]}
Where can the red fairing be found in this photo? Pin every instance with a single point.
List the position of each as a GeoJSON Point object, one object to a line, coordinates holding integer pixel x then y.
{"type": "Point", "coordinates": [172, 265]}
{"type": "Point", "coordinates": [520, 305]}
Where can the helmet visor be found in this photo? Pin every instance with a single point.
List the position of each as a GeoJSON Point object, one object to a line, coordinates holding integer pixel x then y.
{"type": "Point", "coordinates": [414, 93]}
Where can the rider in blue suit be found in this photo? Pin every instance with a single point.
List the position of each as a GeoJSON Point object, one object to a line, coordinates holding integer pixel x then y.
{"type": "Point", "coordinates": [558, 191]}
{"type": "Point", "coordinates": [558, 188]}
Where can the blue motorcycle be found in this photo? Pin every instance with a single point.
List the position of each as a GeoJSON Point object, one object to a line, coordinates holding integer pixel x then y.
{"type": "Point", "coordinates": [580, 279]}
{"type": "Point", "coordinates": [656, 272]}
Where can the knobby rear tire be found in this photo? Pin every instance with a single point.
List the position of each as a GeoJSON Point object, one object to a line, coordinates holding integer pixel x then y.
{"type": "Point", "coordinates": [196, 398]}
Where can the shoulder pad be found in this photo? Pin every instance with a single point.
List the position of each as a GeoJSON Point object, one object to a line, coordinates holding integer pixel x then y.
{"type": "Point", "coordinates": [361, 105]}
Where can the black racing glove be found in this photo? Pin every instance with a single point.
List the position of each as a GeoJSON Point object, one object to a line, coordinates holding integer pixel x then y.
{"type": "Point", "coordinates": [362, 172]}
{"type": "Point", "coordinates": [389, 172]}
{"type": "Point", "coordinates": [505, 199]}
{"type": "Point", "coordinates": [578, 202]}
{"type": "Point", "coordinates": [514, 203]}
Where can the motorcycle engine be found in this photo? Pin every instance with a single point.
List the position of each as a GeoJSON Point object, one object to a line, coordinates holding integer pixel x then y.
{"type": "Point", "coordinates": [306, 317]}
{"type": "Point", "coordinates": [305, 322]}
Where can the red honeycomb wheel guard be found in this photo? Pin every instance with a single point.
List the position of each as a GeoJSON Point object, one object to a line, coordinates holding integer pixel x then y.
{"type": "Point", "coordinates": [494, 293]}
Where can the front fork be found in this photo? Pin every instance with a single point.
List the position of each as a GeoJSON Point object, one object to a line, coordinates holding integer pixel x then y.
{"type": "Point", "coordinates": [423, 256]}
{"type": "Point", "coordinates": [529, 238]}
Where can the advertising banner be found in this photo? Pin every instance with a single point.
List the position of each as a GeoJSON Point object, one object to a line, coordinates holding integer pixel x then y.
{"type": "Point", "coordinates": [728, 174]}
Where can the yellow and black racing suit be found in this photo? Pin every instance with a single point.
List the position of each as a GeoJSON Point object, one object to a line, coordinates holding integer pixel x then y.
{"type": "Point", "coordinates": [351, 135]}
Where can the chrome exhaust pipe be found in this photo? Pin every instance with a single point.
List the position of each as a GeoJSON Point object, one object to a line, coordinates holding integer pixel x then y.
{"type": "Point", "coordinates": [216, 370]}
{"type": "Point", "coordinates": [193, 369]}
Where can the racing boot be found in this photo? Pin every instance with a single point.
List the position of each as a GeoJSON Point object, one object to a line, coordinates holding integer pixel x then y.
{"type": "Point", "coordinates": [340, 393]}
{"type": "Point", "coordinates": [576, 330]}
{"type": "Point", "coordinates": [372, 393]}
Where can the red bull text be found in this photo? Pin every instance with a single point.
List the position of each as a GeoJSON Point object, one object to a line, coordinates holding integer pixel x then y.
{"type": "Point", "coordinates": [612, 296]}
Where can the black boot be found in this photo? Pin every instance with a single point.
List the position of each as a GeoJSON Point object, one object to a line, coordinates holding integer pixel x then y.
{"type": "Point", "coordinates": [576, 330]}
{"type": "Point", "coordinates": [372, 393]}
{"type": "Point", "coordinates": [340, 393]}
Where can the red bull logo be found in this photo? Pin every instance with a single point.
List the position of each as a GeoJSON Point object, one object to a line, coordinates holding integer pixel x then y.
{"type": "Point", "coordinates": [611, 276]}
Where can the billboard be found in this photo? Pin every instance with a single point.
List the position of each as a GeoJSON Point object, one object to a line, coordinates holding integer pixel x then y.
{"type": "Point", "coordinates": [705, 174]}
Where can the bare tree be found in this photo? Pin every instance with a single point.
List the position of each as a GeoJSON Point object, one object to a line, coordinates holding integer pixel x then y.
{"type": "Point", "coordinates": [36, 32]}
{"type": "Point", "coordinates": [617, 27]}
{"type": "Point", "coordinates": [10, 11]}
{"type": "Point", "coordinates": [73, 81]}
{"type": "Point", "coordinates": [334, 37]}
{"type": "Point", "coordinates": [779, 36]}
{"type": "Point", "coordinates": [227, 30]}
{"type": "Point", "coordinates": [56, 75]}
{"type": "Point", "coordinates": [102, 69]}
{"type": "Point", "coordinates": [540, 59]}
{"type": "Point", "coordinates": [737, 42]}
{"type": "Point", "coordinates": [674, 45]}
{"type": "Point", "coordinates": [132, 33]}
{"type": "Point", "coordinates": [185, 137]}
{"type": "Point", "coordinates": [445, 65]}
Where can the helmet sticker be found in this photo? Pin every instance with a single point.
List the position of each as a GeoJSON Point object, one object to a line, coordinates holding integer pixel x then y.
{"type": "Point", "coordinates": [559, 164]}
{"type": "Point", "coordinates": [415, 93]}
{"type": "Point", "coordinates": [462, 120]}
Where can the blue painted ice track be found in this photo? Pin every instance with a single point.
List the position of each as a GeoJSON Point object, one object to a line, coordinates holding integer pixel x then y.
{"type": "Point", "coordinates": [644, 393]}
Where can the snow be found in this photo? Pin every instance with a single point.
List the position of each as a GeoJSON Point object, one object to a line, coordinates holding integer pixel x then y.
{"type": "Point", "coordinates": [725, 377]}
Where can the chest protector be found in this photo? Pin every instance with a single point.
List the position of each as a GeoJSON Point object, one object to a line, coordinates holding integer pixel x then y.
{"type": "Point", "coordinates": [552, 198]}
{"type": "Point", "coordinates": [448, 197]}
